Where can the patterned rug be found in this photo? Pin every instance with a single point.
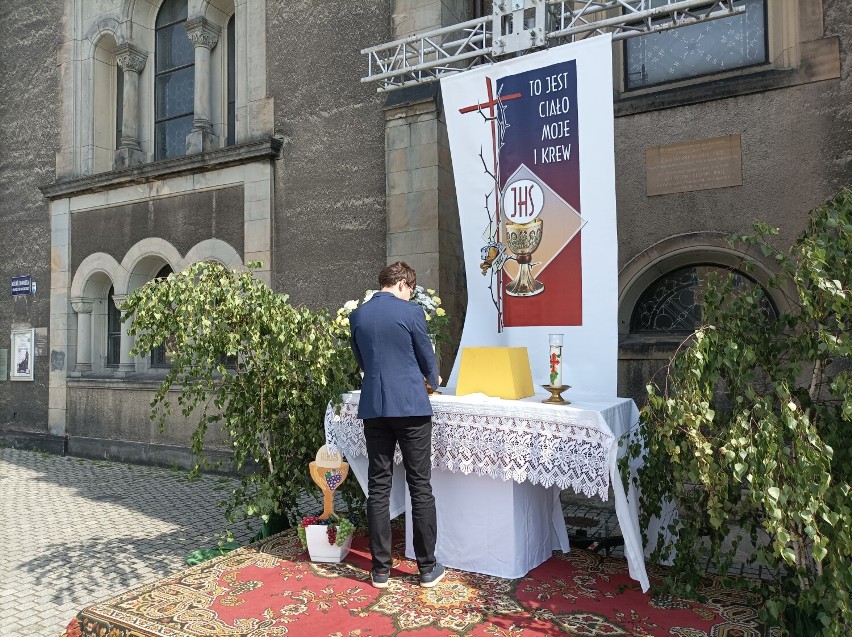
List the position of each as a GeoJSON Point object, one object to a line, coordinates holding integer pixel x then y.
{"type": "Point", "coordinates": [272, 589]}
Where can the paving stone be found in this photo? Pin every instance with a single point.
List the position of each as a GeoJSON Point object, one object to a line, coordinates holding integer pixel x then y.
{"type": "Point", "coordinates": [78, 531]}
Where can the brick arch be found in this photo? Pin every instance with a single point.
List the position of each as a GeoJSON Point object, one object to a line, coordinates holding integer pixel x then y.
{"type": "Point", "coordinates": [212, 250]}
{"type": "Point", "coordinates": [216, 10]}
{"type": "Point", "coordinates": [141, 12]}
{"type": "Point", "coordinates": [683, 250]}
{"type": "Point", "coordinates": [92, 276]}
{"type": "Point", "coordinates": [143, 261]}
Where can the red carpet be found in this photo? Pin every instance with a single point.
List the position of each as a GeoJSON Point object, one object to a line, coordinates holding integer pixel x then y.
{"type": "Point", "coordinates": [271, 588]}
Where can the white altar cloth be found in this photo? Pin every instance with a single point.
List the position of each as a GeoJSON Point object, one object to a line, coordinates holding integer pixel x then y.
{"type": "Point", "coordinates": [498, 466]}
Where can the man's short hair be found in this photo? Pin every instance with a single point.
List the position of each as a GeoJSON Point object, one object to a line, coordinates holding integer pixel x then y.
{"type": "Point", "coordinates": [396, 272]}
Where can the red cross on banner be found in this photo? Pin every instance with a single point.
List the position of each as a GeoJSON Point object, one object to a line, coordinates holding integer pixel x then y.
{"type": "Point", "coordinates": [477, 108]}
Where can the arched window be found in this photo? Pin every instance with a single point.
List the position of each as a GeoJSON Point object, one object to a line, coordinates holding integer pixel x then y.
{"type": "Point", "coordinates": [160, 355]}
{"type": "Point", "coordinates": [119, 104]}
{"type": "Point", "coordinates": [674, 303]}
{"type": "Point", "coordinates": [231, 138]}
{"type": "Point", "coordinates": [108, 91]}
{"type": "Point", "coordinates": [173, 82]}
{"type": "Point", "coordinates": [113, 348]}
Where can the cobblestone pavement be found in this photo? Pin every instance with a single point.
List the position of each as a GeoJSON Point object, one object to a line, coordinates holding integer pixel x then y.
{"type": "Point", "coordinates": [76, 531]}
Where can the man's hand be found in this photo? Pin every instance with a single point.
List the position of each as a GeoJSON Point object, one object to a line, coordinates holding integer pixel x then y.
{"type": "Point", "coordinates": [429, 387]}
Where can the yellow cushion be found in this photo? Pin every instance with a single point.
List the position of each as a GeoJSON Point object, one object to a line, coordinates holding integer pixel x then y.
{"type": "Point", "coordinates": [502, 372]}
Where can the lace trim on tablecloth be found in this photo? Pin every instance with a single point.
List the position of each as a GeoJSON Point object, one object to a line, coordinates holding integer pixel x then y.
{"type": "Point", "coordinates": [523, 442]}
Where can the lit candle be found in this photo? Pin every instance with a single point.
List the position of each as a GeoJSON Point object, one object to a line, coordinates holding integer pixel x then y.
{"type": "Point", "coordinates": [555, 360]}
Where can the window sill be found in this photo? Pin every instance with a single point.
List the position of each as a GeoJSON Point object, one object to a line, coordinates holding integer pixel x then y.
{"type": "Point", "coordinates": [648, 346]}
{"type": "Point", "coordinates": [820, 60]}
{"type": "Point", "coordinates": [154, 171]}
{"type": "Point", "coordinates": [149, 380]}
{"type": "Point", "coordinates": [106, 381]}
{"type": "Point", "coordinates": [705, 91]}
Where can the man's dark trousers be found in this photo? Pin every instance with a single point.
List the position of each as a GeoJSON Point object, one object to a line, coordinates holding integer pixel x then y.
{"type": "Point", "coordinates": [414, 434]}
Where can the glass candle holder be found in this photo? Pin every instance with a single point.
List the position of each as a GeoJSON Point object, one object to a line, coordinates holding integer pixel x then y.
{"type": "Point", "coordinates": [555, 360]}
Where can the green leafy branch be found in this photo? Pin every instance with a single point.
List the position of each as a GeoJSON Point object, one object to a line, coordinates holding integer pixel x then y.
{"type": "Point", "coordinates": [749, 434]}
{"type": "Point", "coordinates": [247, 362]}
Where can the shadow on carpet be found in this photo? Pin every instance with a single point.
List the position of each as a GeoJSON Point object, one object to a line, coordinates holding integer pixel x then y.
{"type": "Point", "coordinates": [271, 589]}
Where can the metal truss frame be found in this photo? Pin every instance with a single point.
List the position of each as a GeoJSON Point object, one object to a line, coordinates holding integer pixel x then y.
{"type": "Point", "coordinates": [423, 58]}
{"type": "Point", "coordinates": [426, 57]}
{"type": "Point", "coordinates": [636, 18]}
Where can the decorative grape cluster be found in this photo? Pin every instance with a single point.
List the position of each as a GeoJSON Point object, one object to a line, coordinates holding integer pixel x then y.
{"type": "Point", "coordinates": [333, 479]}
{"type": "Point", "coordinates": [307, 521]}
{"type": "Point", "coordinates": [337, 529]}
{"type": "Point", "coordinates": [345, 528]}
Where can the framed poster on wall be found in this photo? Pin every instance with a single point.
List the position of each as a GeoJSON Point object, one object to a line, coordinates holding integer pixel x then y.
{"type": "Point", "coordinates": [23, 354]}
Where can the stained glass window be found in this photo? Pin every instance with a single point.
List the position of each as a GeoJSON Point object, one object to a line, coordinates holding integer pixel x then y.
{"type": "Point", "coordinates": [699, 49]}
{"type": "Point", "coordinates": [174, 81]}
{"type": "Point", "coordinates": [674, 303]}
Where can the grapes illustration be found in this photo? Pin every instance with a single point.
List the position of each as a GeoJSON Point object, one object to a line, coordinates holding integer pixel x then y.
{"type": "Point", "coordinates": [328, 473]}
{"type": "Point", "coordinates": [333, 479]}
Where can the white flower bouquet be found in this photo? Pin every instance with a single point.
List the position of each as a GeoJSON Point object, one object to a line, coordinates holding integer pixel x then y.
{"type": "Point", "coordinates": [437, 320]}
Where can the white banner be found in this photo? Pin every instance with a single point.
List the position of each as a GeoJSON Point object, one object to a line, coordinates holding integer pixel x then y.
{"type": "Point", "coordinates": [533, 156]}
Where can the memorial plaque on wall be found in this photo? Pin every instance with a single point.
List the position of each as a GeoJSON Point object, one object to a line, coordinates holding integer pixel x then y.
{"type": "Point", "coordinates": [701, 164]}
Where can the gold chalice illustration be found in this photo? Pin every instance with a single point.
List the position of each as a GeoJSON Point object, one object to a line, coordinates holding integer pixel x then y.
{"type": "Point", "coordinates": [523, 239]}
{"type": "Point", "coordinates": [328, 471]}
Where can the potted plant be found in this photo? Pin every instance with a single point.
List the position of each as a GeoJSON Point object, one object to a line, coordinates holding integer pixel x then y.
{"type": "Point", "coordinates": [327, 540]}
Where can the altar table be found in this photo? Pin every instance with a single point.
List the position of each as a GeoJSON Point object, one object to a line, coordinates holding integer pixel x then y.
{"type": "Point", "coordinates": [497, 469]}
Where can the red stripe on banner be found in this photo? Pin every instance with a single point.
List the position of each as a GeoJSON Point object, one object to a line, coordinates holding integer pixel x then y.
{"type": "Point", "coordinates": [562, 304]}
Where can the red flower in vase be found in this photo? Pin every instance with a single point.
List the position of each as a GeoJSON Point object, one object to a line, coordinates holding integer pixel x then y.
{"type": "Point", "coordinates": [554, 361]}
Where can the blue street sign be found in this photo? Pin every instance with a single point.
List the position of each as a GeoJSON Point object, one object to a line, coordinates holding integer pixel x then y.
{"type": "Point", "coordinates": [22, 285]}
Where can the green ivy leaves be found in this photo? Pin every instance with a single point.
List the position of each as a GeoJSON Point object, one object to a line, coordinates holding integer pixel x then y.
{"type": "Point", "coordinates": [246, 361]}
{"type": "Point", "coordinates": [749, 435]}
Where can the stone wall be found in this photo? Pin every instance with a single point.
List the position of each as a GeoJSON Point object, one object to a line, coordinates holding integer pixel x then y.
{"type": "Point", "coordinates": [796, 153]}
{"type": "Point", "coordinates": [109, 418]}
{"type": "Point", "coordinates": [329, 226]}
{"type": "Point", "coordinates": [422, 211]}
{"type": "Point", "coordinates": [184, 220]}
{"type": "Point", "coordinates": [28, 135]}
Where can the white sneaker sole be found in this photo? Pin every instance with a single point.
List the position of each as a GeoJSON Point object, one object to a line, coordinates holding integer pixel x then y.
{"type": "Point", "coordinates": [433, 582]}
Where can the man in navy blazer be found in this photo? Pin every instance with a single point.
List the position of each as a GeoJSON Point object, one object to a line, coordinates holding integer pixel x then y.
{"type": "Point", "coordinates": [393, 350]}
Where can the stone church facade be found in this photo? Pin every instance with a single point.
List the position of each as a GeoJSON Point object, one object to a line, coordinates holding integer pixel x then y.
{"type": "Point", "coordinates": [144, 135]}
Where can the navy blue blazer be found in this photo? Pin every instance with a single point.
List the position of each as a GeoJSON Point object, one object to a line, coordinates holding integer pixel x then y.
{"type": "Point", "coordinates": [392, 347]}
